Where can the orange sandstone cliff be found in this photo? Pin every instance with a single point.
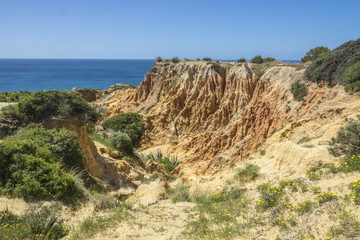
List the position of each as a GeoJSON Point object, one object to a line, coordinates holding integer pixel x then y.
{"type": "Point", "coordinates": [214, 114]}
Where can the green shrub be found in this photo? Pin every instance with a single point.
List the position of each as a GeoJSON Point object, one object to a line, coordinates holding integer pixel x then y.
{"type": "Point", "coordinates": [241, 60]}
{"type": "Point", "coordinates": [338, 66]}
{"type": "Point", "coordinates": [270, 196]}
{"type": "Point", "coordinates": [257, 59]}
{"type": "Point", "coordinates": [63, 145]}
{"type": "Point", "coordinates": [269, 59]}
{"type": "Point", "coordinates": [175, 60]}
{"type": "Point", "coordinates": [44, 104]}
{"type": "Point", "coordinates": [13, 96]}
{"type": "Point", "coordinates": [249, 173]}
{"type": "Point", "coordinates": [314, 54]}
{"type": "Point", "coordinates": [347, 141]}
{"type": "Point", "coordinates": [207, 59]}
{"type": "Point", "coordinates": [298, 90]}
{"type": "Point", "coordinates": [129, 123]}
{"type": "Point", "coordinates": [158, 59]}
{"type": "Point", "coordinates": [187, 59]}
{"type": "Point", "coordinates": [30, 167]}
{"type": "Point", "coordinates": [121, 142]}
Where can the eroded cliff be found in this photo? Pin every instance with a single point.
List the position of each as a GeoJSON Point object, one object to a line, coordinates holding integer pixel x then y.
{"type": "Point", "coordinates": [215, 114]}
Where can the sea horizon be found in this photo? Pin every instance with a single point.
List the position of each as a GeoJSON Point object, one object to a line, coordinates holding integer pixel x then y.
{"type": "Point", "coordinates": [34, 74]}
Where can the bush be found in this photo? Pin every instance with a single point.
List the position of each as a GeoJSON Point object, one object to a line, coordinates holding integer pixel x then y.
{"type": "Point", "coordinates": [251, 172]}
{"type": "Point", "coordinates": [30, 167]}
{"type": "Point", "coordinates": [63, 145]}
{"type": "Point", "coordinates": [241, 60]}
{"type": "Point", "coordinates": [44, 104]}
{"type": "Point", "coordinates": [121, 142]}
{"type": "Point", "coordinates": [175, 60]}
{"type": "Point", "coordinates": [129, 123]}
{"type": "Point", "coordinates": [207, 59]}
{"type": "Point", "coordinates": [269, 59]}
{"type": "Point", "coordinates": [347, 141]}
{"type": "Point", "coordinates": [314, 54]}
{"type": "Point", "coordinates": [158, 59]}
{"type": "Point", "coordinates": [298, 90]}
{"type": "Point", "coordinates": [257, 59]}
{"type": "Point", "coordinates": [13, 96]}
{"type": "Point", "coordinates": [338, 66]}
{"type": "Point", "coordinates": [28, 171]}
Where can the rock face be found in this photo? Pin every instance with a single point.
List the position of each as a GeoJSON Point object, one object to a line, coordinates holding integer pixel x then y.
{"type": "Point", "coordinates": [118, 173]}
{"type": "Point", "coordinates": [213, 114]}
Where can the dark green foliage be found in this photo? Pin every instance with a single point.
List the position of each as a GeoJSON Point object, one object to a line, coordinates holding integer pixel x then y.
{"type": "Point", "coordinates": [158, 59]}
{"type": "Point", "coordinates": [28, 167]}
{"type": "Point", "coordinates": [175, 60]}
{"type": "Point", "coordinates": [257, 59]}
{"type": "Point", "coordinates": [44, 104]}
{"type": "Point", "coordinates": [187, 59]}
{"type": "Point", "coordinates": [13, 96]}
{"type": "Point", "coordinates": [10, 120]}
{"type": "Point", "coordinates": [347, 140]}
{"type": "Point", "coordinates": [36, 224]}
{"type": "Point", "coordinates": [298, 90]}
{"type": "Point", "coordinates": [129, 123]}
{"type": "Point", "coordinates": [269, 59]}
{"type": "Point", "coordinates": [121, 142]}
{"type": "Point", "coordinates": [207, 59]}
{"type": "Point", "coordinates": [241, 60]}
{"type": "Point", "coordinates": [63, 145]}
{"type": "Point", "coordinates": [314, 53]}
{"type": "Point", "coordinates": [338, 66]}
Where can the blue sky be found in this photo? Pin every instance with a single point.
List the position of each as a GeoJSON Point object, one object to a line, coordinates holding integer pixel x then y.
{"type": "Point", "coordinates": [131, 29]}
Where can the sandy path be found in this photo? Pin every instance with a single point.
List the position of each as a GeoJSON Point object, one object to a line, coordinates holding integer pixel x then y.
{"type": "Point", "coordinates": [163, 220]}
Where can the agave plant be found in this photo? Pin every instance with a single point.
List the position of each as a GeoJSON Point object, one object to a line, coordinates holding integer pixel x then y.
{"type": "Point", "coordinates": [174, 161]}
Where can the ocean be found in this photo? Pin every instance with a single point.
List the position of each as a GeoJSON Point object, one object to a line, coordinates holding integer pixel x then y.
{"type": "Point", "coordinates": [64, 74]}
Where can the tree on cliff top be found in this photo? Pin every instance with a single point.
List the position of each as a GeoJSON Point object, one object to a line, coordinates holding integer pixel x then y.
{"type": "Point", "coordinates": [341, 65]}
{"type": "Point", "coordinates": [257, 59]}
{"type": "Point", "coordinates": [315, 53]}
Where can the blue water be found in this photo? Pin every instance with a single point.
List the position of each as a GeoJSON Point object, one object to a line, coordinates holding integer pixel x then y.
{"type": "Point", "coordinates": [64, 74]}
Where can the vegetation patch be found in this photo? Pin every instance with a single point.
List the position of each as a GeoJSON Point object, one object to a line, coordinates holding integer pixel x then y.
{"type": "Point", "coordinates": [129, 123]}
{"type": "Point", "coordinates": [347, 141]}
{"type": "Point", "coordinates": [36, 224]}
{"type": "Point", "coordinates": [298, 90]}
{"type": "Point", "coordinates": [92, 225]}
{"type": "Point", "coordinates": [342, 65]}
{"type": "Point", "coordinates": [218, 216]}
{"type": "Point", "coordinates": [13, 96]}
{"type": "Point", "coordinates": [44, 104]}
{"type": "Point", "coordinates": [257, 59]}
{"type": "Point", "coordinates": [249, 173]}
{"type": "Point", "coordinates": [33, 166]}
{"type": "Point", "coordinates": [169, 162]}
{"type": "Point", "coordinates": [180, 194]}
{"type": "Point", "coordinates": [314, 54]}
{"type": "Point", "coordinates": [121, 142]}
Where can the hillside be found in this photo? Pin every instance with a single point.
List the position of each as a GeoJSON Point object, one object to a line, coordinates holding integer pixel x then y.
{"type": "Point", "coordinates": [226, 153]}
